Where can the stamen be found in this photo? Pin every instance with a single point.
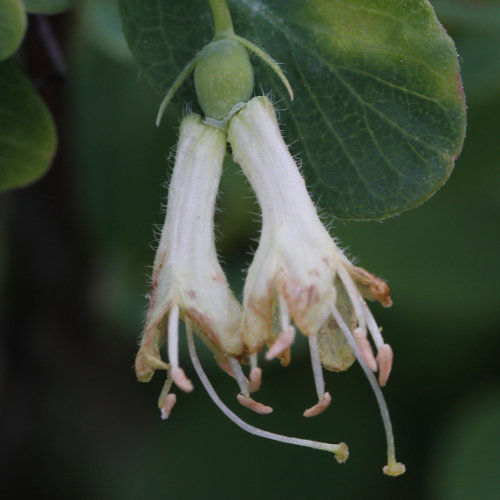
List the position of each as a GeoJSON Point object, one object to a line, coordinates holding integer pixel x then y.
{"type": "Point", "coordinates": [166, 401]}
{"type": "Point", "coordinates": [254, 360]}
{"type": "Point", "coordinates": [244, 396]}
{"type": "Point", "coordinates": [255, 379]}
{"type": "Point", "coordinates": [384, 354]}
{"type": "Point", "coordinates": [319, 407]}
{"type": "Point", "coordinates": [169, 403]}
{"type": "Point", "coordinates": [324, 398]}
{"type": "Point", "coordinates": [392, 466]}
{"type": "Point", "coordinates": [177, 373]}
{"type": "Point", "coordinates": [287, 336]}
{"type": "Point", "coordinates": [384, 358]}
{"type": "Point", "coordinates": [239, 376]}
{"type": "Point", "coordinates": [253, 405]}
{"type": "Point", "coordinates": [319, 381]}
{"type": "Point", "coordinates": [284, 313]}
{"type": "Point", "coordinates": [365, 348]}
{"type": "Point", "coordinates": [255, 374]}
{"type": "Point", "coordinates": [372, 326]}
{"type": "Point", "coordinates": [285, 339]}
{"type": "Point", "coordinates": [354, 295]}
{"type": "Point", "coordinates": [340, 450]}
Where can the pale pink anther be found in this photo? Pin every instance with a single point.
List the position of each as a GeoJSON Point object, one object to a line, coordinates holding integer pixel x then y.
{"type": "Point", "coordinates": [365, 348]}
{"type": "Point", "coordinates": [384, 360]}
{"type": "Point", "coordinates": [319, 407]}
{"type": "Point", "coordinates": [180, 379]}
{"type": "Point", "coordinates": [285, 339]}
{"type": "Point", "coordinates": [255, 379]}
{"type": "Point", "coordinates": [168, 404]}
{"type": "Point", "coordinates": [253, 405]}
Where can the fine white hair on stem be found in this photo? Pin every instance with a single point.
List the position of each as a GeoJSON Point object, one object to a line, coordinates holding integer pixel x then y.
{"type": "Point", "coordinates": [340, 450]}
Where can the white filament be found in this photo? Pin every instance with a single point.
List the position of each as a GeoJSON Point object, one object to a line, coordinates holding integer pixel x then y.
{"type": "Point", "coordinates": [354, 295]}
{"type": "Point", "coordinates": [373, 382]}
{"type": "Point", "coordinates": [319, 380]}
{"type": "Point", "coordinates": [334, 448]}
{"type": "Point", "coordinates": [284, 314]}
{"type": "Point", "coordinates": [372, 326]}
{"type": "Point", "coordinates": [253, 361]}
{"type": "Point", "coordinates": [173, 337]}
{"type": "Point", "coordinates": [240, 377]}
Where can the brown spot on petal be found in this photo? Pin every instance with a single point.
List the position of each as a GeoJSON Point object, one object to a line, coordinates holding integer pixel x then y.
{"type": "Point", "coordinates": [371, 287]}
{"type": "Point", "coordinates": [258, 321]}
{"type": "Point", "coordinates": [205, 323]}
{"type": "Point", "coordinates": [219, 278]}
{"type": "Point", "coordinates": [298, 297]}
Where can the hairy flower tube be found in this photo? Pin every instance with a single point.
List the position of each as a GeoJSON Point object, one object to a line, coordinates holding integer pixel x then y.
{"type": "Point", "coordinates": [188, 284]}
{"type": "Point", "coordinates": [298, 273]}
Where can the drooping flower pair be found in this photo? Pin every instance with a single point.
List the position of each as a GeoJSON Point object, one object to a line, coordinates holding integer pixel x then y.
{"type": "Point", "coordinates": [299, 278]}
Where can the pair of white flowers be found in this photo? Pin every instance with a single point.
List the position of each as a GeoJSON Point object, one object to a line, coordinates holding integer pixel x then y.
{"type": "Point", "coordinates": [299, 278]}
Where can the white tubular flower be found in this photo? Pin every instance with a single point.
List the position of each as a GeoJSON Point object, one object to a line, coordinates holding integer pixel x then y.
{"type": "Point", "coordinates": [299, 274]}
{"type": "Point", "coordinates": [188, 282]}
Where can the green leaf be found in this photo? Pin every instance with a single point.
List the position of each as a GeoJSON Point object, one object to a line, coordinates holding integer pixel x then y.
{"type": "Point", "coordinates": [379, 112]}
{"type": "Point", "coordinates": [12, 26]}
{"type": "Point", "coordinates": [48, 6]}
{"type": "Point", "coordinates": [27, 132]}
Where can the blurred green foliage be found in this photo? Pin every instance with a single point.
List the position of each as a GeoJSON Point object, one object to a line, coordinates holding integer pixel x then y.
{"type": "Point", "coordinates": [87, 429]}
{"type": "Point", "coordinates": [378, 113]}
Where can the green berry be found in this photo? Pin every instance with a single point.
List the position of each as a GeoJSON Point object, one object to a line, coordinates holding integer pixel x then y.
{"type": "Point", "coordinates": [223, 77]}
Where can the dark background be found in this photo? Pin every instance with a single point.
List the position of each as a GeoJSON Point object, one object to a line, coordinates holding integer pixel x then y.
{"type": "Point", "coordinates": [75, 255]}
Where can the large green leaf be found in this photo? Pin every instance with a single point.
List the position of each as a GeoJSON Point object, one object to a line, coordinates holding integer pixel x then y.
{"type": "Point", "coordinates": [27, 133]}
{"type": "Point", "coordinates": [12, 26]}
{"type": "Point", "coordinates": [48, 6]}
{"type": "Point", "coordinates": [379, 113]}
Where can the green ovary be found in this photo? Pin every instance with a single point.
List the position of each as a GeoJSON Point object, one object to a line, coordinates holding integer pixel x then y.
{"type": "Point", "coordinates": [223, 77]}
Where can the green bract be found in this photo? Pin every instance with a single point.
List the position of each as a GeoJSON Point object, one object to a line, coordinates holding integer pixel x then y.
{"type": "Point", "coordinates": [223, 77]}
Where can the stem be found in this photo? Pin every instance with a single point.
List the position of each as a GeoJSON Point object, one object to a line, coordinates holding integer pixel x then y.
{"type": "Point", "coordinates": [222, 18]}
